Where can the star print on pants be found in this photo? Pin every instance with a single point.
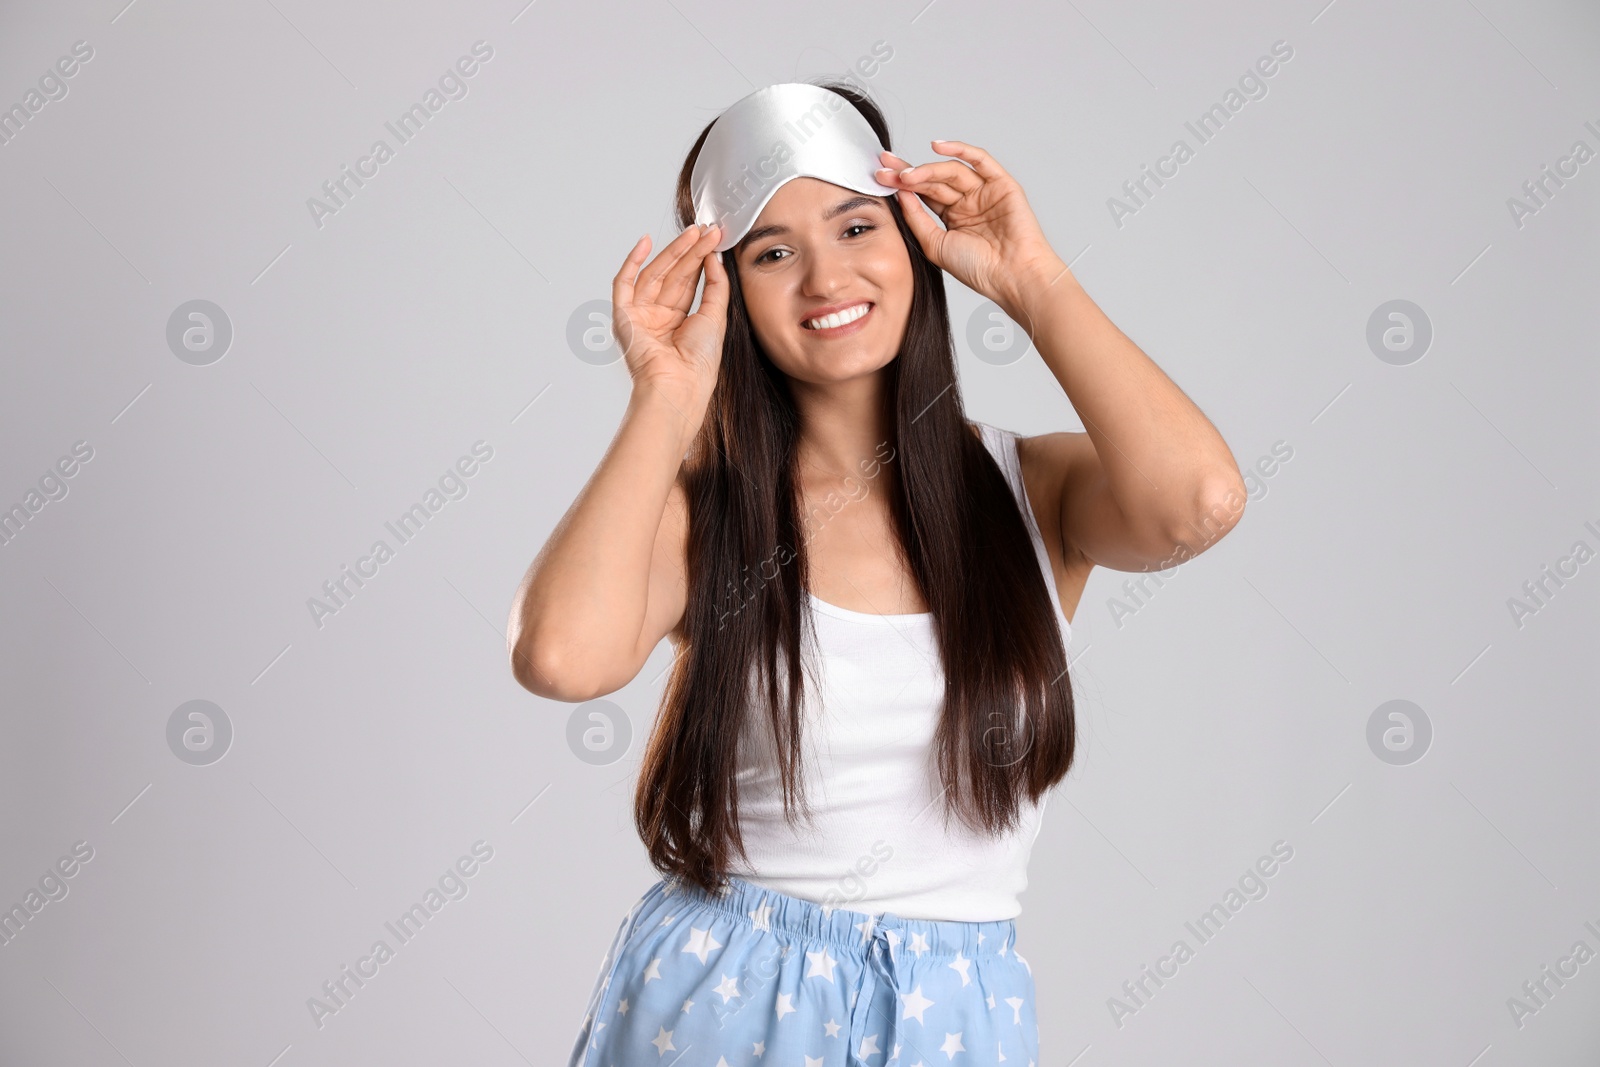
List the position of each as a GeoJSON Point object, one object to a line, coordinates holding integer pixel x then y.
{"type": "Point", "coordinates": [915, 1004]}
{"type": "Point", "coordinates": [821, 964]}
{"type": "Point", "coordinates": [701, 943]}
{"type": "Point", "coordinates": [855, 986]}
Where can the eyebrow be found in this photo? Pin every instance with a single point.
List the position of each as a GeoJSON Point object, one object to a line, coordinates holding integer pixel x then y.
{"type": "Point", "coordinates": [842, 207]}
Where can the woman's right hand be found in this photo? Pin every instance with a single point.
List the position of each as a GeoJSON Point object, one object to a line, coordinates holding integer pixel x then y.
{"type": "Point", "coordinates": [665, 347]}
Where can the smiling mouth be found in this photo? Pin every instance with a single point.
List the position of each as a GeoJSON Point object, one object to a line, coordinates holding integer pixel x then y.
{"type": "Point", "coordinates": [839, 318]}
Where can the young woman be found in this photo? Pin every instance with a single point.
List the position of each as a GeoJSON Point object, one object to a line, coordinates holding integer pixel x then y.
{"type": "Point", "coordinates": [869, 595]}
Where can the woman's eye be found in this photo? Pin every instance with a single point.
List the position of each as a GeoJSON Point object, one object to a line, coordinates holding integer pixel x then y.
{"type": "Point", "coordinates": [772, 252]}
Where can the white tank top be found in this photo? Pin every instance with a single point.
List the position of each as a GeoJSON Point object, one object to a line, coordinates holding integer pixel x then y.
{"type": "Point", "coordinates": [878, 840]}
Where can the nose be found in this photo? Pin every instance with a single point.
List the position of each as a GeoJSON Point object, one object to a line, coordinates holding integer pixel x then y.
{"type": "Point", "coordinates": [827, 271]}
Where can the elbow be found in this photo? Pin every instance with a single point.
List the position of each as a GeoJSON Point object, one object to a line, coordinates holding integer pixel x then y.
{"type": "Point", "coordinates": [537, 657]}
{"type": "Point", "coordinates": [542, 671]}
{"type": "Point", "coordinates": [1218, 507]}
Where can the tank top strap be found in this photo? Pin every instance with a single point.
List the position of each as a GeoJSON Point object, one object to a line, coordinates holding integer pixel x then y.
{"type": "Point", "coordinates": [1002, 444]}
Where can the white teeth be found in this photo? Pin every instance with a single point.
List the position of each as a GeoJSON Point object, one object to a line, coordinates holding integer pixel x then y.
{"type": "Point", "coordinates": [828, 322]}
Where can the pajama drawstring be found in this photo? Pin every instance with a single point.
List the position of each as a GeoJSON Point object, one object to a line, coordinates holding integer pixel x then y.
{"type": "Point", "coordinates": [869, 1036]}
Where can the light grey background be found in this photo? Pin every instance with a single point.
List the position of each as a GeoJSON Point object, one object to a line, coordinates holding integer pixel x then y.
{"type": "Point", "coordinates": [432, 311]}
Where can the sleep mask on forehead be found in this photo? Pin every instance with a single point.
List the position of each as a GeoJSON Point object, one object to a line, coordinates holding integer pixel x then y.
{"type": "Point", "coordinates": [774, 135]}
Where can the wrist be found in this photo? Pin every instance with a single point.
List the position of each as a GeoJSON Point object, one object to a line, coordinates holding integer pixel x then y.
{"type": "Point", "coordinates": [1031, 284]}
{"type": "Point", "coordinates": [678, 413]}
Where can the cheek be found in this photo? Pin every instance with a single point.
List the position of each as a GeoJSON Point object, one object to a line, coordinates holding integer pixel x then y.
{"type": "Point", "coordinates": [767, 314]}
{"type": "Point", "coordinates": [770, 325]}
{"type": "Point", "coordinates": [892, 273]}
{"type": "Point", "coordinates": [761, 302]}
{"type": "Point", "coordinates": [895, 282]}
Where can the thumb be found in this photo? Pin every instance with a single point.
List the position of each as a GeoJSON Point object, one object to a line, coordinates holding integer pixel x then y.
{"type": "Point", "coordinates": [710, 320]}
{"type": "Point", "coordinates": [929, 233]}
{"type": "Point", "coordinates": [714, 297]}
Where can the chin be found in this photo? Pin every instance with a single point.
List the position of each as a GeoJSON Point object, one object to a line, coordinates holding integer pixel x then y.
{"type": "Point", "coordinates": [842, 367]}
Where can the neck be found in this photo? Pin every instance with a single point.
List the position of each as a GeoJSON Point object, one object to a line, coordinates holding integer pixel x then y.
{"type": "Point", "coordinates": [842, 424]}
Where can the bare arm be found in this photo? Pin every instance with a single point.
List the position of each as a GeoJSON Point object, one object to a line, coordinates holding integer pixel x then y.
{"type": "Point", "coordinates": [608, 585]}
{"type": "Point", "coordinates": [1151, 483]}
{"type": "Point", "coordinates": [609, 582]}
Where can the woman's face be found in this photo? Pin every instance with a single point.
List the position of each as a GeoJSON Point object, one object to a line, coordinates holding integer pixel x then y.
{"type": "Point", "coordinates": [818, 248]}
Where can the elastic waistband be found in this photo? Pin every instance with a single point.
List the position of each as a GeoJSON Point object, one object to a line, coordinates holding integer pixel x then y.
{"type": "Point", "coordinates": [767, 909]}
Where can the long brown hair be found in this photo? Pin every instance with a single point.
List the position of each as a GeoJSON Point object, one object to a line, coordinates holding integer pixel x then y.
{"type": "Point", "coordinates": [1007, 725]}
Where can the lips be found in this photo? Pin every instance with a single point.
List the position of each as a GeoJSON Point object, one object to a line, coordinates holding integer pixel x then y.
{"type": "Point", "coordinates": [841, 314]}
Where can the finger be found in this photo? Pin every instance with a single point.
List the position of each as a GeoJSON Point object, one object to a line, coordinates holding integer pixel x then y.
{"type": "Point", "coordinates": [648, 288]}
{"type": "Point", "coordinates": [679, 283]}
{"type": "Point", "coordinates": [622, 283]}
{"type": "Point", "coordinates": [714, 298]}
{"type": "Point", "coordinates": [704, 330]}
{"type": "Point", "coordinates": [889, 168]}
{"type": "Point", "coordinates": [939, 198]}
{"type": "Point", "coordinates": [927, 232]}
{"type": "Point", "coordinates": [957, 175]}
{"type": "Point", "coordinates": [981, 161]}
{"type": "Point", "coordinates": [893, 171]}
{"type": "Point", "coordinates": [892, 161]}
{"type": "Point", "coordinates": [939, 194]}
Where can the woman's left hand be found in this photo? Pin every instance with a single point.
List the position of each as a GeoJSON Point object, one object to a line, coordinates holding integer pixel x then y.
{"type": "Point", "coordinates": [991, 242]}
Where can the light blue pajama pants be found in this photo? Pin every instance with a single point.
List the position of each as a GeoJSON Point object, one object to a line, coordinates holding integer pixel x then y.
{"type": "Point", "coordinates": [758, 977]}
